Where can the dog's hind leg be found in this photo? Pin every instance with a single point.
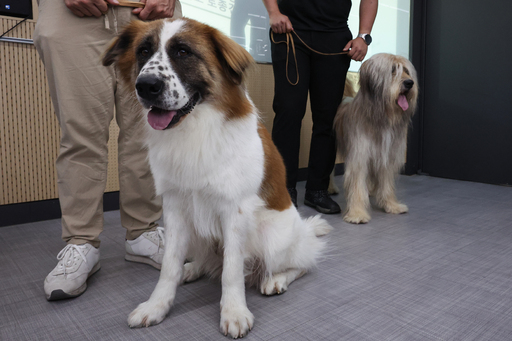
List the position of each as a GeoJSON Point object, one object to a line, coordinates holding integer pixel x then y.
{"type": "Point", "coordinates": [292, 246]}
{"type": "Point", "coordinates": [385, 194]}
{"type": "Point", "coordinates": [356, 191]}
{"type": "Point", "coordinates": [177, 237]}
{"type": "Point", "coordinates": [206, 259]}
{"type": "Point", "coordinates": [192, 271]}
{"type": "Point", "coordinates": [278, 283]}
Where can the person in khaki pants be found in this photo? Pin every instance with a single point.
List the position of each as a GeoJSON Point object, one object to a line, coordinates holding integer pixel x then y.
{"type": "Point", "coordinates": [70, 37]}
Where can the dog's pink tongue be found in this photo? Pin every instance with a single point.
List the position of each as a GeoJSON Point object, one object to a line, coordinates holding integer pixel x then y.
{"type": "Point", "coordinates": [160, 120]}
{"type": "Point", "coordinates": [402, 102]}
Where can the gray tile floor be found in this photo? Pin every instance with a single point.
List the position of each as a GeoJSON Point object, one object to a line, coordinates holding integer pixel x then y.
{"type": "Point", "coordinates": [441, 272]}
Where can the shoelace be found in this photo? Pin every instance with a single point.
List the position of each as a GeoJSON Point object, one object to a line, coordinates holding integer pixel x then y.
{"type": "Point", "coordinates": [160, 233]}
{"type": "Point", "coordinates": [69, 252]}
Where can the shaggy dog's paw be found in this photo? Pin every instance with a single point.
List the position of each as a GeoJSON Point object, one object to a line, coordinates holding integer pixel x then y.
{"type": "Point", "coordinates": [396, 208]}
{"type": "Point", "coordinates": [276, 284]}
{"type": "Point", "coordinates": [190, 272]}
{"type": "Point", "coordinates": [147, 314]}
{"type": "Point", "coordinates": [357, 216]}
{"type": "Point", "coordinates": [236, 321]}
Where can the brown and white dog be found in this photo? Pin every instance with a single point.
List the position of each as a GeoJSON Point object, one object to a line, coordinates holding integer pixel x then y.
{"type": "Point", "coordinates": [222, 180]}
{"type": "Point", "coordinates": [372, 134]}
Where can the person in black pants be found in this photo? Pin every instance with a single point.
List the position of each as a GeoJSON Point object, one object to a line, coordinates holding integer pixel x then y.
{"type": "Point", "coordinates": [322, 25]}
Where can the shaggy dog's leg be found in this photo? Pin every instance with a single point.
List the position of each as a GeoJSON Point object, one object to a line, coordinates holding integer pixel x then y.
{"type": "Point", "coordinates": [386, 197]}
{"type": "Point", "coordinates": [177, 236]}
{"type": "Point", "coordinates": [235, 318]}
{"type": "Point", "coordinates": [278, 283]}
{"type": "Point", "coordinates": [356, 190]}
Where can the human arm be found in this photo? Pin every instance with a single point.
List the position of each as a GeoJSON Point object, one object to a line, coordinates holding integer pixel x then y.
{"type": "Point", "coordinates": [367, 14]}
{"type": "Point", "coordinates": [89, 8]}
{"type": "Point", "coordinates": [155, 9]}
{"type": "Point", "coordinates": [278, 21]}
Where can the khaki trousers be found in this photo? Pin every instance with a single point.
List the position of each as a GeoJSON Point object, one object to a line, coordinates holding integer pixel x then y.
{"type": "Point", "coordinates": [84, 94]}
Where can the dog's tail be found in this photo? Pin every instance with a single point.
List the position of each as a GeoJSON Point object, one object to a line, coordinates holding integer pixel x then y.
{"type": "Point", "coordinates": [287, 241]}
{"type": "Point", "coordinates": [320, 226]}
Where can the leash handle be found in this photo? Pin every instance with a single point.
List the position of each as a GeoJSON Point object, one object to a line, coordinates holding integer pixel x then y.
{"type": "Point", "coordinates": [289, 41]}
{"type": "Point", "coordinates": [127, 3]}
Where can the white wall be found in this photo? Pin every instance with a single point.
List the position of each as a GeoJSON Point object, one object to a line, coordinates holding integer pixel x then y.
{"type": "Point", "coordinates": [246, 21]}
{"type": "Point", "coordinates": [390, 31]}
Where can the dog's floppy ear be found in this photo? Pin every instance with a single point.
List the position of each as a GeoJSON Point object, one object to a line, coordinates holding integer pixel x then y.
{"type": "Point", "coordinates": [234, 58]}
{"type": "Point", "coordinates": [120, 44]}
{"type": "Point", "coordinates": [374, 76]}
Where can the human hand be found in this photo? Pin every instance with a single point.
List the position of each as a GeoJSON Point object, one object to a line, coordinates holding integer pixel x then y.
{"type": "Point", "coordinates": [89, 8]}
{"type": "Point", "coordinates": [358, 49]}
{"type": "Point", "coordinates": [155, 9]}
{"type": "Point", "coordinates": [280, 23]}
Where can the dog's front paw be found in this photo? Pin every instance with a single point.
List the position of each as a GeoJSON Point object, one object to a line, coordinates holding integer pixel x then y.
{"type": "Point", "coordinates": [396, 208]}
{"type": "Point", "coordinates": [276, 284]}
{"type": "Point", "coordinates": [357, 216]}
{"type": "Point", "coordinates": [236, 321]}
{"type": "Point", "coordinates": [147, 314]}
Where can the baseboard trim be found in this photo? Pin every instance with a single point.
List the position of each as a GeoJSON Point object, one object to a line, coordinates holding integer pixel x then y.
{"type": "Point", "coordinates": [29, 212]}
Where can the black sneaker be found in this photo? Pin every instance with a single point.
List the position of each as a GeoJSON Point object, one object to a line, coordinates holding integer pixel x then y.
{"type": "Point", "coordinates": [322, 202]}
{"type": "Point", "coordinates": [293, 195]}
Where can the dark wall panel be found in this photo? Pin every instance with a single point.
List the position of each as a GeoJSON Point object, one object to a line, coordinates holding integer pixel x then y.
{"type": "Point", "coordinates": [467, 117]}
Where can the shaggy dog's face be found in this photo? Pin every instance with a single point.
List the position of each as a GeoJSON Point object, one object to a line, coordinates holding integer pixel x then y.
{"type": "Point", "coordinates": [403, 74]}
{"type": "Point", "coordinates": [392, 78]}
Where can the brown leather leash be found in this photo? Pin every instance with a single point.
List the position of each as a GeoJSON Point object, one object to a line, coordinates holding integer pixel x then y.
{"type": "Point", "coordinates": [126, 3]}
{"type": "Point", "coordinates": [289, 41]}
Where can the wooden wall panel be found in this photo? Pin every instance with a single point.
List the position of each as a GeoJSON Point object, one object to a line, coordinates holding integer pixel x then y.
{"type": "Point", "coordinates": [29, 131]}
{"type": "Point", "coordinates": [28, 134]}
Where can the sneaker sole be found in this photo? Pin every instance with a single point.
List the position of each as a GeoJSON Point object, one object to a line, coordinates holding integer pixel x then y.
{"type": "Point", "coordinates": [143, 260]}
{"type": "Point", "coordinates": [59, 294]}
{"type": "Point", "coordinates": [320, 209]}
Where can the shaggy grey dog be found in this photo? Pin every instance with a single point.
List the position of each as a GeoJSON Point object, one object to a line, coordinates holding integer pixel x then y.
{"type": "Point", "coordinates": [372, 134]}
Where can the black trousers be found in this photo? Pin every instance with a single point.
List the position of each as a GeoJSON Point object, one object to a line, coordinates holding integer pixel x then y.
{"type": "Point", "coordinates": [323, 77]}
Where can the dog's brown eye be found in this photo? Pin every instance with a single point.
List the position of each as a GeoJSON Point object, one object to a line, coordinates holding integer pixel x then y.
{"type": "Point", "coordinates": [144, 52]}
{"type": "Point", "coordinates": [182, 53]}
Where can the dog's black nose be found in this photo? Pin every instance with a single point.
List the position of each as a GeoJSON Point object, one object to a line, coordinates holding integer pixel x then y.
{"type": "Point", "coordinates": [408, 84]}
{"type": "Point", "coordinates": [149, 87]}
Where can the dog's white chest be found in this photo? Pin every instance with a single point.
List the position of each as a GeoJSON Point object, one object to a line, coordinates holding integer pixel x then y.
{"type": "Point", "coordinates": [208, 153]}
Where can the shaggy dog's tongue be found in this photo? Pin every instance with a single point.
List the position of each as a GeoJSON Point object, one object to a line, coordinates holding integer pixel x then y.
{"type": "Point", "coordinates": [402, 102]}
{"type": "Point", "coordinates": [160, 119]}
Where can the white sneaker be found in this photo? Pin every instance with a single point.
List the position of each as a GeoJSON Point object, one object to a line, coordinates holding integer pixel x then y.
{"type": "Point", "coordinates": [69, 278]}
{"type": "Point", "coordinates": [148, 248]}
